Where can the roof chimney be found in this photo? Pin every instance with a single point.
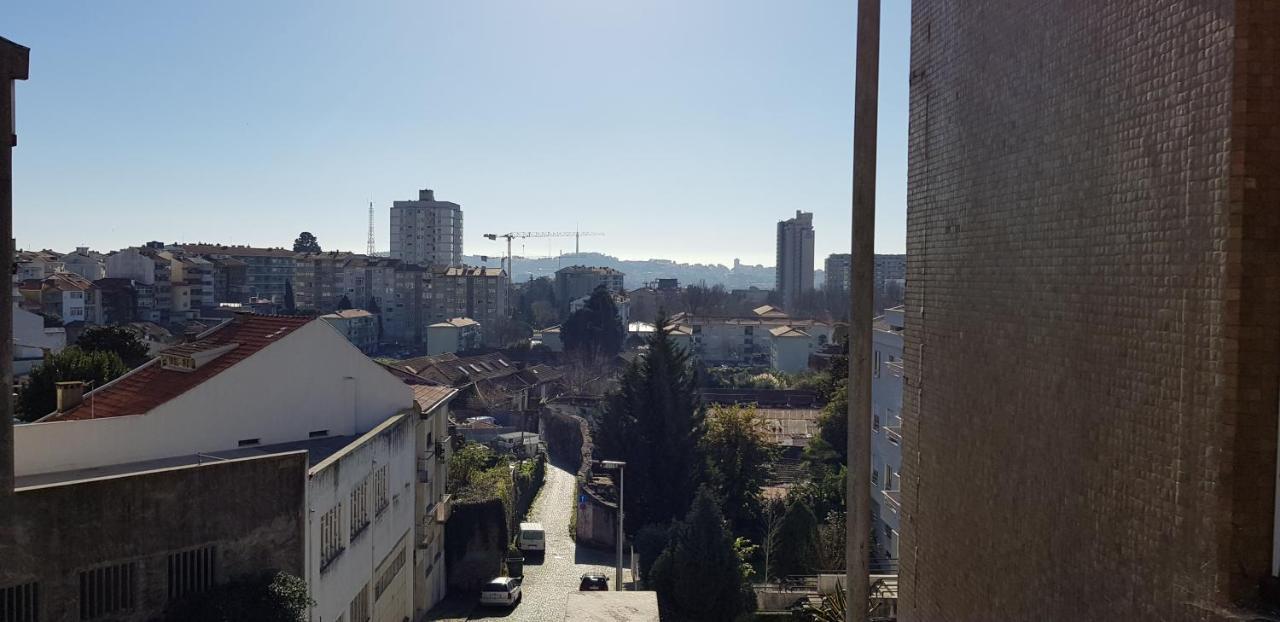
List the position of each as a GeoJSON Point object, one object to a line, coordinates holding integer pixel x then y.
{"type": "Point", "coordinates": [69, 394]}
{"type": "Point", "coordinates": [426, 194]}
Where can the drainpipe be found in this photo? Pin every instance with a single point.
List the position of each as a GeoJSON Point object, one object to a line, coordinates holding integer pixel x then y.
{"type": "Point", "coordinates": [858, 484]}
{"type": "Point", "coordinates": [13, 66]}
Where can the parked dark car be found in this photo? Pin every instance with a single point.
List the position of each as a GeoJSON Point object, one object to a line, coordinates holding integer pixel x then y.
{"type": "Point", "coordinates": [594, 583]}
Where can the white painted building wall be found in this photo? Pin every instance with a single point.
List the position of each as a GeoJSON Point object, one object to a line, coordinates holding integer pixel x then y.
{"type": "Point", "coordinates": [74, 308]}
{"type": "Point", "coordinates": [886, 437]}
{"type": "Point", "coordinates": [790, 354]}
{"type": "Point", "coordinates": [433, 454]}
{"type": "Point", "coordinates": [374, 551]}
{"type": "Point", "coordinates": [31, 338]}
{"type": "Point", "coordinates": [312, 379]}
{"type": "Point", "coordinates": [85, 264]}
{"type": "Point", "coordinates": [131, 264]}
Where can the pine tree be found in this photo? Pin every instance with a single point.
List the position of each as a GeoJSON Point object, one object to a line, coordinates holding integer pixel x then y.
{"type": "Point", "coordinates": [654, 422]}
{"type": "Point", "coordinates": [290, 304]}
{"type": "Point", "coordinates": [797, 540]}
{"type": "Point", "coordinates": [699, 575]}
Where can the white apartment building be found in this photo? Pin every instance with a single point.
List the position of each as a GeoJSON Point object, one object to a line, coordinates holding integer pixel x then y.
{"type": "Point", "coordinates": [458, 334]}
{"type": "Point", "coordinates": [260, 385]}
{"type": "Point", "coordinates": [886, 430]}
{"type": "Point", "coordinates": [749, 341]}
{"type": "Point", "coordinates": [131, 263]}
{"type": "Point", "coordinates": [427, 232]}
{"type": "Point", "coordinates": [31, 340]}
{"type": "Point", "coordinates": [84, 262]}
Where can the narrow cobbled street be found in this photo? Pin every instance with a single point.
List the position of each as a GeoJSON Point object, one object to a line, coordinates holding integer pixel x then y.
{"type": "Point", "coordinates": [548, 581]}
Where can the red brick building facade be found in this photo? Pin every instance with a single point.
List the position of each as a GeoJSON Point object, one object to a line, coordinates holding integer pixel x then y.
{"type": "Point", "coordinates": [1093, 309]}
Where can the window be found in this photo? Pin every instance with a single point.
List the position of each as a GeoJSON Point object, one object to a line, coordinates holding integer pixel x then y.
{"type": "Point", "coordinates": [888, 477]}
{"type": "Point", "coordinates": [20, 603]}
{"type": "Point", "coordinates": [317, 433]}
{"type": "Point", "coordinates": [389, 574]}
{"type": "Point", "coordinates": [108, 590]}
{"type": "Point", "coordinates": [249, 442]}
{"type": "Point", "coordinates": [191, 572]}
{"type": "Point", "coordinates": [359, 508]}
{"type": "Point", "coordinates": [359, 610]}
{"type": "Point", "coordinates": [380, 486]}
{"type": "Point", "coordinates": [331, 542]}
{"type": "Point", "coordinates": [875, 365]}
{"type": "Point", "coordinates": [875, 422]}
{"type": "Point", "coordinates": [875, 477]}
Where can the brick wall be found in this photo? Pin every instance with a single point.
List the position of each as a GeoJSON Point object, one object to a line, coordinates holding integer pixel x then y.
{"type": "Point", "coordinates": [1093, 309]}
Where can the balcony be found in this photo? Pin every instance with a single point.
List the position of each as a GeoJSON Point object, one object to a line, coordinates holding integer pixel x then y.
{"type": "Point", "coordinates": [894, 433]}
{"type": "Point", "coordinates": [442, 449]}
{"type": "Point", "coordinates": [893, 498]}
{"type": "Point", "coordinates": [444, 509]}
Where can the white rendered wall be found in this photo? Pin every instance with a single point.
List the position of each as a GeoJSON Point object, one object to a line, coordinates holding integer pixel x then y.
{"type": "Point", "coordinates": [312, 379]}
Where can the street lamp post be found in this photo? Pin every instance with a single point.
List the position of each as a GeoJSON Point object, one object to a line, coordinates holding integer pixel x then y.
{"type": "Point", "coordinates": [622, 479]}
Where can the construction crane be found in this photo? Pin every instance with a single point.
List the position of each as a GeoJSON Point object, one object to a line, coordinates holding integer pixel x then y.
{"type": "Point", "coordinates": [536, 234]}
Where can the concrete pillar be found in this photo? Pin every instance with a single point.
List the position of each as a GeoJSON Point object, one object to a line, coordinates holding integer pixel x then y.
{"type": "Point", "coordinates": [858, 484]}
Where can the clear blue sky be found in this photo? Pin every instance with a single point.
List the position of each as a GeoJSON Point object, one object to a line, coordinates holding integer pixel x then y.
{"type": "Point", "coordinates": [681, 129]}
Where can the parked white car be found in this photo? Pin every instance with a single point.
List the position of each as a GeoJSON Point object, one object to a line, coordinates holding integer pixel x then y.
{"type": "Point", "coordinates": [501, 592]}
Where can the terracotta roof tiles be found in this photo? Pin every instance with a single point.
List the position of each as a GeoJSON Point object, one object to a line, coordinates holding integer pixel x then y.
{"type": "Point", "coordinates": [151, 385]}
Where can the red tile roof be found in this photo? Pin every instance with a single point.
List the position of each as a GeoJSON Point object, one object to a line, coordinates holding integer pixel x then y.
{"type": "Point", "coordinates": [428, 396]}
{"type": "Point", "coordinates": [151, 385]}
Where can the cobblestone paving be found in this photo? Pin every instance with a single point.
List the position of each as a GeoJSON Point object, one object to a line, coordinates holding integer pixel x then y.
{"type": "Point", "coordinates": [549, 580]}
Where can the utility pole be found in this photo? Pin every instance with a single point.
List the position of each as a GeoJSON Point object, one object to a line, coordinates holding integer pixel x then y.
{"type": "Point", "coordinates": [866, 96]}
{"type": "Point", "coordinates": [13, 66]}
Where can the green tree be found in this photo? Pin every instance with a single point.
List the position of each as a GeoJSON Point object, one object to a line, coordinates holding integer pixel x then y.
{"type": "Point", "coordinates": [466, 462]}
{"type": "Point", "coordinates": [594, 331]}
{"type": "Point", "coordinates": [344, 303]}
{"type": "Point", "coordinates": [290, 303]}
{"type": "Point", "coordinates": [281, 597]}
{"type": "Point", "coordinates": [654, 422]}
{"type": "Point", "coordinates": [39, 397]}
{"type": "Point", "coordinates": [700, 576]}
{"type": "Point", "coordinates": [738, 455]}
{"type": "Point", "coordinates": [831, 445]}
{"type": "Point", "coordinates": [536, 303]}
{"type": "Point", "coordinates": [797, 540]}
{"type": "Point", "coordinates": [123, 341]}
{"type": "Point", "coordinates": [306, 243]}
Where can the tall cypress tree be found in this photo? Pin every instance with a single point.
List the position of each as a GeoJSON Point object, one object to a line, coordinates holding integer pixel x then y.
{"type": "Point", "coordinates": [699, 574]}
{"type": "Point", "coordinates": [654, 422]}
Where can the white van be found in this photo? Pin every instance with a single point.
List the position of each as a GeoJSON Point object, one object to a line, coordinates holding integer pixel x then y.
{"type": "Point", "coordinates": [531, 538]}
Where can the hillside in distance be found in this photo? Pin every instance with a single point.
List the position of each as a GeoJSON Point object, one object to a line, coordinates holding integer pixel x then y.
{"type": "Point", "coordinates": [639, 272]}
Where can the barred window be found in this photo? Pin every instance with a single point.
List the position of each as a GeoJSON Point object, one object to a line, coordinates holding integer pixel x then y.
{"type": "Point", "coordinates": [389, 574]}
{"type": "Point", "coordinates": [20, 603]}
{"type": "Point", "coordinates": [359, 609]}
{"type": "Point", "coordinates": [331, 539]}
{"type": "Point", "coordinates": [107, 590]}
{"type": "Point", "coordinates": [380, 489]}
{"type": "Point", "coordinates": [191, 572]}
{"type": "Point", "coordinates": [359, 508]}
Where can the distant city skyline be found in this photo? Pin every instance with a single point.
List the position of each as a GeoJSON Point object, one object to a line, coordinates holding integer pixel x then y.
{"type": "Point", "coordinates": [682, 131]}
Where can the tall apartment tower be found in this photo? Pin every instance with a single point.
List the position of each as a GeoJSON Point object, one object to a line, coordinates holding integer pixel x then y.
{"type": "Point", "coordinates": [794, 265]}
{"type": "Point", "coordinates": [427, 232]}
{"type": "Point", "coordinates": [1092, 353]}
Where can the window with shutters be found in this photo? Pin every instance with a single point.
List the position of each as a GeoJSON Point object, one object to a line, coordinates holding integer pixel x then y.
{"type": "Point", "coordinates": [359, 610]}
{"type": "Point", "coordinates": [108, 590]}
{"type": "Point", "coordinates": [191, 572]}
{"type": "Point", "coordinates": [389, 574]}
{"type": "Point", "coordinates": [359, 508]}
{"type": "Point", "coordinates": [380, 500]}
{"type": "Point", "coordinates": [332, 540]}
{"type": "Point", "coordinates": [20, 603]}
